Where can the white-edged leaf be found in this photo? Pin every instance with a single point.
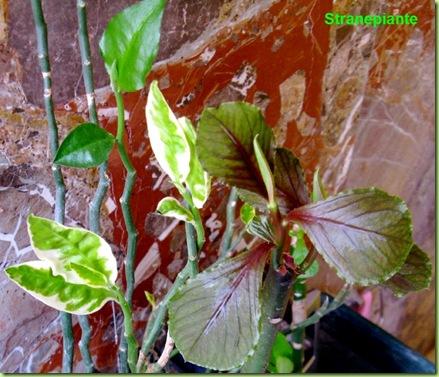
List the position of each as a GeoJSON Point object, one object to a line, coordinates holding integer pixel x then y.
{"type": "Point", "coordinates": [198, 180]}
{"type": "Point", "coordinates": [38, 279]}
{"type": "Point", "coordinates": [171, 207]}
{"type": "Point", "coordinates": [167, 138]}
{"type": "Point", "coordinates": [80, 256]}
{"type": "Point", "coordinates": [214, 318]}
{"type": "Point", "coordinates": [365, 234]}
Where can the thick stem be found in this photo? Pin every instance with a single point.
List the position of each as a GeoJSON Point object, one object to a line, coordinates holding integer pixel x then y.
{"type": "Point", "coordinates": [128, 335]}
{"type": "Point", "coordinates": [230, 220]}
{"type": "Point", "coordinates": [275, 297]}
{"type": "Point", "coordinates": [128, 219]}
{"type": "Point", "coordinates": [157, 318]}
{"type": "Point", "coordinates": [60, 190]}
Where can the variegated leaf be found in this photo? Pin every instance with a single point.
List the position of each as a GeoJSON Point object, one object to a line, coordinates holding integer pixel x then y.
{"type": "Point", "coordinates": [198, 181]}
{"type": "Point", "coordinates": [167, 138]}
{"type": "Point", "coordinates": [79, 255]}
{"type": "Point", "coordinates": [171, 207]}
{"type": "Point", "coordinates": [38, 279]}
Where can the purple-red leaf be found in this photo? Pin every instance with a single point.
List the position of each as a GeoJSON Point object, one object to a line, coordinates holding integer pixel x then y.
{"type": "Point", "coordinates": [214, 318]}
{"type": "Point", "coordinates": [365, 234]}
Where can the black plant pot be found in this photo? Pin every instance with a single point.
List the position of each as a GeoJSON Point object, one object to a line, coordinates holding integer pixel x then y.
{"type": "Point", "coordinates": [345, 342]}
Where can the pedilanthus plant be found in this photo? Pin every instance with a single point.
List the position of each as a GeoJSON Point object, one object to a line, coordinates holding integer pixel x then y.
{"type": "Point", "coordinates": [173, 142]}
{"type": "Point", "coordinates": [364, 234]}
{"type": "Point", "coordinates": [60, 190]}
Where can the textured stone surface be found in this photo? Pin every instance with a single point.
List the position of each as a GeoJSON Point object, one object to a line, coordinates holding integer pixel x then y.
{"type": "Point", "coordinates": [357, 102]}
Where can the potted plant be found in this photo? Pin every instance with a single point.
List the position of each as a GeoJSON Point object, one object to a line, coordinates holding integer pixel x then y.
{"type": "Point", "coordinates": [226, 317]}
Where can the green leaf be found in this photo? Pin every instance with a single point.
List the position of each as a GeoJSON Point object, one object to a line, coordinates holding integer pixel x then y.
{"type": "Point", "coordinates": [197, 181]}
{"type": "Point", "coordinates": [299, 253]}
{"type": "Point", "coordinates": [281, 350]}
{"type": "Point", "coordinates": [265, 170]}
{"type": "Point", "coordinates": [247, 213]}
{"type": "Point", "coordinates": [79, 255]}
{"type": "Point", "coordinates": [225, 144]}
{"type": "Point", "coordinates": [318, 190]}
{"type": "Point", "coordinates": [260, 227]}
{"type": "Point", "coordinates": [130, 43]}
{"type": "Point", "coordinates": [289, 179]}
{"type": "Point", "coordinates": [414, 275]}
{"type": "Point", "coordinates": [284, 365]}
{"type": "Point", "coordinates": [365, 234]}
{"type": "Point", "coordinates": [167, 137]}
{"type": "Point", "coordinates": [171, 207]}
{"type": "Point", "coordinates": [87, 146]}
{"type": "Point", "coordinates": [214, 318]}
{"type": "Point", "coordinates": [38, 280]}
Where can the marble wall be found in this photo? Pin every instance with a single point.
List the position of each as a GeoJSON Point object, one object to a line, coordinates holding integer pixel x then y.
{"type": "Point", "coordinates": [358, 102]}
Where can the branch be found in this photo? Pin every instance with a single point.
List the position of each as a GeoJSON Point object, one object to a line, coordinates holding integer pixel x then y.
{"type": "Point", "coordinates": [157, 318]}
{"type": "Point", "coordinates": [226, 243]}
{"type": "Point", "coordinates": [164, 357]}
{"type": "Point", "coordinates": [128, 219]}
{"type": "Point", "coordinates": [326, 308]}
{"type": "Point", "coordinates": [275, 297]}
{"type": "Point", "coordinates": [60, 190]}
{"type": "Point", "coordinates": [131, 342]}
{"type": "Point", "coordinates": [96, 203]}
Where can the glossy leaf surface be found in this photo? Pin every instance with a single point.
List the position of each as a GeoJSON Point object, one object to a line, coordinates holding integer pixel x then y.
{"type": "Point", "coordinates": [130, 43]}
{"type": "Point", "coordinates": [225, 144]}
{"type": "Point", "coordinates": [167, 137]}
{"type": "Point", "coordinates": [197, 181]}
{"type": "Point", "coordinates": [171, 207]}
{"type": "Point", "coordinates": [289, 179]}
{"type": "Point", "coordinates": [87, 146]}
{"type": "Point", "coordinates": [365, 234]}
{"type": "Point", "coordinates": [79, 255]}
{"type": "Point", "coordinates": [214, 318]}
{"type": "Point", "coordinates": [414, 275]}
{"type": "Point", "coordinates": [38, 280]}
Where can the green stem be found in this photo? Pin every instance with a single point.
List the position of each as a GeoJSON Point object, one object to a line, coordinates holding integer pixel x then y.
{"type": "Point", "coordinates": [230, 220]}
{"type": "Point", "coordinates": [131, 341]}
{"type": "Point", "coordinates": [275, 297]}
{"type": "Point", "coordinates": [96, 203]}
{"type": "Point", "coordinates": [192, 251]}
{"type": "Point", "coordinates": [85, 342]}
{"type": "Point", "coordinates": [157, 318]}
{"type": "Point", "coordinates": [128, 218]}
{"type": "Point", "coordinates": [60, 190]}
{"type": "Point", "coordinates": [299, 315]}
